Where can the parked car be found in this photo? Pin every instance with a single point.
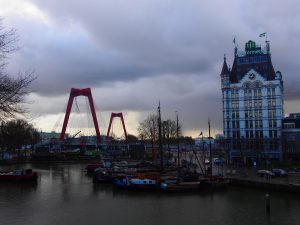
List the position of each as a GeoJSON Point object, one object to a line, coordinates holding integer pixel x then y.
{"type": "Point", "coordinates": [217, 161]}
{"type": "Point", "coordinates": [265, 173]}
{"type": "Point", "coordinates": [206, 161]}
{"type": "Point", "coordinates": [293, 169]}
{"type": "Point", "coordinates": [279, 172]}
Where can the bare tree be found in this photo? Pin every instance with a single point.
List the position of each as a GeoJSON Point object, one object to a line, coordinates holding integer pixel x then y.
{"type": "Point", "coordinates": [8, 42]}
{"type": "Point", "coordinates": [170, 128]}
{"type": "Point", "coordinates": [148, 128]}
{"type": "Point", "coordinates": [12, 90]}
{"type": "Point", "coordinates": [12, 94]}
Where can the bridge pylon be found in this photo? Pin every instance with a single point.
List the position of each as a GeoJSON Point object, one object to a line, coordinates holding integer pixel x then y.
{"type": "Point", "coordinates": [80, 92]}
{"type": "Point", "coordinates": [113, 115]}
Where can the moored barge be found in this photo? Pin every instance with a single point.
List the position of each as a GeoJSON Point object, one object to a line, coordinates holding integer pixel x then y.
{"type": "Point", "coordinates": [19, 175]}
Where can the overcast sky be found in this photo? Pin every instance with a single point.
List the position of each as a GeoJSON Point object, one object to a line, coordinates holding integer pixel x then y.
{"type": "Point", "coordinates": [134, 53]}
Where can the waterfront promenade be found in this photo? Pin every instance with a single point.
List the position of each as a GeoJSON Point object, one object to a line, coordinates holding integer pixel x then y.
{"type": "Point", "coordinates": [249, 177]}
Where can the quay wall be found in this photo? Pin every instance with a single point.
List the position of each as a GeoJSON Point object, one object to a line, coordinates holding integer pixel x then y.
{"type": "Point", "coordinates": [290, 187]}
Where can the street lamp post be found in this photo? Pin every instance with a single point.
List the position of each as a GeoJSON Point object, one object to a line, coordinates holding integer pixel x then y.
{"type": "Point", "coordinates": [228, 150]}
{"type": "Point", "coordinates": [160, 139]}
{"type": "Point", "coordinates": [241, 150]}
{"type": "Point", "coordinates": [167, 134]}
{"type": "Point", "coordinates": [210, 152]}
{"type": "Point", "coordinates": [266, 151]}
{"type": "Point", "coordinates": [202, 141]}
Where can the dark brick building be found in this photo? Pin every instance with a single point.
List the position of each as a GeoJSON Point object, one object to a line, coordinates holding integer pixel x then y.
{"type": "Point", "coordinates": [291, 137]}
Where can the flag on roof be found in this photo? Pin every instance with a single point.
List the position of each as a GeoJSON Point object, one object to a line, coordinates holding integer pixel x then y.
{"type": "Point", "coordinates": [262, 34]}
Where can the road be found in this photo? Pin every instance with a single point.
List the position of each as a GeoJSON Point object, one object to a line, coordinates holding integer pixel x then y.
{"type": "Point", "coordinates": [251, 174]}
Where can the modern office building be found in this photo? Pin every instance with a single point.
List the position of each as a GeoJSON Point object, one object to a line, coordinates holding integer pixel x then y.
{"type": "Point", "coordinates": [252, 105]}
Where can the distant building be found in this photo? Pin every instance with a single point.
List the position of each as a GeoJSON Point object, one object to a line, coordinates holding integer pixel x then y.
{"type": "Point", "coordinates": [48, 136]}
{"type": "Point", "coordinates": [252, 105]}
{"type": "Point", "coordinates": [205, 142]}
{"type": "Point", "coordinates": [291, 137]}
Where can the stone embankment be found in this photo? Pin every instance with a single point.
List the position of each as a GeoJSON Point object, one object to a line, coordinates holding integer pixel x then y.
{"type": "Point", "coordinates": [249, 178]}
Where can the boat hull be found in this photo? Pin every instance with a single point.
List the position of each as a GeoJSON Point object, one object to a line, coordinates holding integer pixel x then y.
{"type": "Point", "coordinates": [102, 178]}
{"type": "Point", "coordinates": [90, 169]}
{"type": "Point", "coordinates": [25, 177]}
{"type": "Point", "coordinates": [181, 186]}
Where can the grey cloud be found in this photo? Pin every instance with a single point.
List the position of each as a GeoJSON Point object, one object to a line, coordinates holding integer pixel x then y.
{"type": "Point", "coordinates": [188, 95]}
{"type": "Point", "coordinates": [152, 40]}
{"type": "Point", "coordinates": [133, 53]}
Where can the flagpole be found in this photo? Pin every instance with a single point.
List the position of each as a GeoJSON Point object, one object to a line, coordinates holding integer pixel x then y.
{"type": "Point", "coordinates": [235, 46]}
{"type": "Point", "coordinates": [264, 34]}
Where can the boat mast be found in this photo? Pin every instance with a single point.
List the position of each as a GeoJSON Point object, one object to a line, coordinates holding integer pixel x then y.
{"type": "Point", "coordinates": [203, 152]}
{"type": "Point", "coordinates": [210, 153]}
{"type": "Point", "coordinates": [177, 133]}
{"type": "Point", "coordinates": [159, 139]}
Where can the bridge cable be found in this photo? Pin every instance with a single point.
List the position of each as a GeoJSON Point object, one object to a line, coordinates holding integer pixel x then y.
{"type": "Point", "coordinates": [59, 122]}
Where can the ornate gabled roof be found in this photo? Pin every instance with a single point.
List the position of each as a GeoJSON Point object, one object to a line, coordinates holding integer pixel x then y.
{"type": "Point", "coordinates": [225, 70]}
{"type": "Point", "coordinates": [254, 59]}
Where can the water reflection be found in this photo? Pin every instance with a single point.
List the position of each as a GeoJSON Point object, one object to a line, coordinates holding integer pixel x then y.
{"type": "Point", "coordinates": [64, 194]}
{"type": "Point", "coordinates": [13, 190]}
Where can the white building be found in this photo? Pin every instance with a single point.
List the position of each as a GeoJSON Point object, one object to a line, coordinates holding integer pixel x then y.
{"type": "Point", "coordinates": [252, 105]}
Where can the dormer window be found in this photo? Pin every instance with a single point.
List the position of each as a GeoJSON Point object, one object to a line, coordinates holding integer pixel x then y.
{"type": "Point", "coordinates": [251, 76]}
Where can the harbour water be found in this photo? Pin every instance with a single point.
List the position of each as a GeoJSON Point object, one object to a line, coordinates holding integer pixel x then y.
{"type": "Point", "coordinates": [65, 195]}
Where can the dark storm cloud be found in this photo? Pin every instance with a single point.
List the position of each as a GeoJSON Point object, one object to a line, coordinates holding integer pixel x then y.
{"type": "Point", "coordinates": [120, 41]}
{"type": "Point", "coordinates": [135, 52]}
{"type": "Point", "coordinates": [125, 40]}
